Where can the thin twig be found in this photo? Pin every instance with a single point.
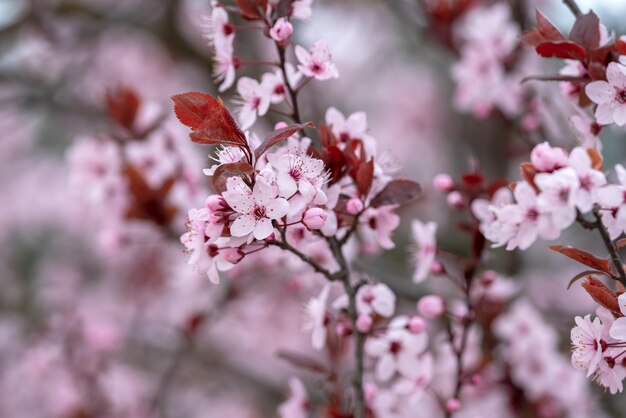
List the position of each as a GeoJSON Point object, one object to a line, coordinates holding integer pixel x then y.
{"type": "Point", "coordinates": [571, 4]}
{"type": "Point", "coordinates": [610, 246]}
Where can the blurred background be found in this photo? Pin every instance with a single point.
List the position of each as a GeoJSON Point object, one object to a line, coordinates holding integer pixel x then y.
{"type": "Point", "coordinates": [98, 308]}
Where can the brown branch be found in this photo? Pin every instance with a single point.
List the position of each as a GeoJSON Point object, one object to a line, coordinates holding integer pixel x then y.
{"type": "Point", "coordinates": [571, 4]}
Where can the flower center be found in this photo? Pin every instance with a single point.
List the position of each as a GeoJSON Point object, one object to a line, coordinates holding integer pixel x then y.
{"type": "Point", "coordinates": [586, 183]}
{"type": "Point", "coordinates": [395, 347]}
{"type": "Point", "coordinates": [564, 195]}
{"type": "Point", "coordinates": [620, 96]}
{"type": "Point", "coordinates": [316, 68]}
{"type": "Point", "coordinates": [259, 212]}
{"type": "Point", "coordinates": [228, 28]}
{"type": "Point", "coordinates": [532, 214]}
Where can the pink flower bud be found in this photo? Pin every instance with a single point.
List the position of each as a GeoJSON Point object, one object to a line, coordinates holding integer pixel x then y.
{"type": "Point", "coordinates": [416, 325]}
{"type": "Point", "coordinates": [314, 218]}
{"type": "Point", "coordinates": [431, 306]}
{"type": "Point", "coordinates": [232, 255]}
{"type": "Point", "coordinates": [364, 323]}
{"type": "Point", "coordinates": [546, 158]}
{"type": "Point", "coordinates": [436, 267]}
{"type": "Point", "coordinates": [215, 203]}
{"type": "Point", "coordinates": [343, 330]}
{"type": "Point", "coordinates": [280, 125]}
{"type": "Point", "coordinates": [488, 277]}
{"type": "Point", "coordinates": [453, 405]}
{"type": "Point", "coordinates": [443, 183]}
{"type": "Point", "coordinates": [455, 200]}
{"type": "Point", "coordinates": [354, 206]}
{"type": "Point", "coordinates": [476, 379]}
{"type": "Point", "coordinates": [282, 30]}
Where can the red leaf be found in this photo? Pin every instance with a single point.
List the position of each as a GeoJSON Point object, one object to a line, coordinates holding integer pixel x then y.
{"type": "Point", "coordinates": [583, 257]}
{"type": "Point", "coordinates": [586, 31]}
{"type": "Point", "coordinates": [397, 192]}
{"type": "Point", "coordinates": [335, 161]}
{"type": "Point", "coordinates": [232, 169]}
{"type": "Point", "coordinates": [602, 295]}
{"type": "Point", "coordinates": [547, 29]}
{"type": "Point", "coordinates": [122, 105]}
{"type": "Point", "coordinates": [192, 109]}
{"type": "Point", "coordinates": [252, 9]}
{"type": "Point", "coordinates": [364, 177]}
{"type": "Point", "coordinates": [565, 50]}
{"type": "Point", "coordinates": [597, 71]}
{"type": "Point", "coordinates": [620, 45]}
{"type": "Point", "coordinates": [596, 159]}
{"type": "Point", "coordinates": [279, 135]}
{"type": "Point", "coordinates": [529, 172]}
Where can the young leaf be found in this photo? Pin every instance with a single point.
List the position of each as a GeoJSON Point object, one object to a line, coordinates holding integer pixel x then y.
{"type": "Point", "coordinates": [364, 177]}
{"type": "Point", "coordinates": [397, 192]}
{"type": "Point", "coordinates": [122, 105]}
{"type": "Point", "coordinates": [586, 31]}
{"type": "Point", "coordinates": [565, 50]}
{"type": "Point", "coordinates": [583, 274]}
{"type": "Point", "coordinates": [547, 29]}
{"type": "Point", "coordinates": [193, 108]}
{"type": "Point", "coordinates": [602, 295]}
{"type": "Point", "coordinates": [583, 257]}
{"type": "Point", "coordinates": [252, 9]}
{"type": "Point", "coordinates": [279, 135]}
{"type": "Point", "coordinates": [231, 169]}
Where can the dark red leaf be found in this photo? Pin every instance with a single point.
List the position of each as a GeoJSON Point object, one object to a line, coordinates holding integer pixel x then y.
{"type": "Point", "coordinates": [364, 177]}
{"type": "Point", "coordinates": [583, 274]}
{"type": "Point", "coordinates": [228, 170]}
{"type": "Point", "coordinates": [529, 172]}
{"type": "Point", "coordinates": [335, 161]}
{"type": "Point", "coordinates": [604, 296]}
{"type": "Point", "coordinates": [252, 9]}
{"type": "Point", "coordinates": [547, 29]}
{"type": "Point", "coordinates": [586, 31]}
{"type": "Point", "coordinates": [397, 192]}
{"type": "Point", "coordinates": [193, 108]}
{"type": "Point", "coordinates": [279, 135]}
{"type": "Point", "coordinates": [620, 45]}
{"type": "Point", "coordinates": [565, 50]}
{"type": "Point", "coordinates": [597, 71]}
{"type": "Point", "coordinates": [122, 105]}
{"type": "Point", "coordinates": [583, 257]}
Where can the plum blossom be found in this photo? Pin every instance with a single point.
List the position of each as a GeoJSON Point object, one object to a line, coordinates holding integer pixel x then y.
{"type": "Point", "coordinates": [314, 218]}
{"type": "Point", "coordinates": [316, 318]}
{"type": "Point", "coordinates": [424, 236]}
{"type": "Point", "coordinates": [491, 28]}
{"type": "Point", "coordinates": [590, 180]}
{"type": "Point", "coordinates": [153, 158]}
{"type": "Point", "coordinates": [610, 96]}
{"type": "Point", "coordinates": [297, 404]}
{"type": "Point", "coordinates": [301, 9]}
{"type": "Point", "coordinates": [612, 198]}
{"type": "Point", "coordinates": [350, 128]}
{"type": "Point", "coordinates": [587, 343]}
{"type": "Point", "coordinates": [558, 191]}
{"type": "Point", "coordinates": [316, 62]}
{"type": "Point", "coordinates": [397, 350]}
{"type": "Point", "coordinates": [221, 33]}
{"type": "Point", "coordinates": [257, 208]}
{"type": "Point", "coordinates": [481, 207]}
{"type": "Point", "coordinates": [379, 223]}
{"type": "Point", "coordinates": [254, 100]}
{"type": "Point", "coordinates": [586, 131]}
{"type": "Point", "coordinates": [519, 224]}
{"type": "Point", "coordinates": [618, 328]}
{"type": "Point", "coordinates": [375, 299]}
{"type": "Point", "coordinates": [282, 30]}
{"type": "Point", "coordinates": [546, 158]}
{"type": "Point", "coordinates": [300, 174]}
{"type": "Point", "coordinates": [224, 155]}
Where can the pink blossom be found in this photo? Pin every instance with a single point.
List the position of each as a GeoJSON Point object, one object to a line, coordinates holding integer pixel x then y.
{"type": "Point", "coordinates": [546, 158]}
{"type": "Point", "coordinates": [618, 328]}
{"type": "Point", "coordinates": [380, 222]}
{"type": "Point", "coordinates": [254, 100]}
{"type": "Point", "coordinates": [301, 9]}
{"type": "Point", "coordinates": [587, 343]}
{"type": "Point", "coordinates": [491, 28]}
{"type": "Point", "coordinates": [364, 323]}
{"type": "Point", "coordinates": [610, 96]}
{"type": "Point", "coordinates": [315, 218]}
{"type": "Point", "coordinates": [612, 198]}
{"type": "Point", "coordinates": [354, 206]}
{"type": "Point", "coordinates": [257, 208]}
{"type": "Point", "coordinates": [300, 174]}
{"type": "Point", "coordinates": [558, 190]}
{"type": "Point", "coordinates": [431, 306]}
{"type": "Point", "coordinates": [375, 299]}
{"type": "Point", "coordinates": [316, 62]}
{"type": "Point", "coordinates": [443, 182]}
{"type": "Point", "coordinates": [586, 131]}
{"type": "Point", "coordinates": [397, 350]}
{"type": "Point", "coordinates": [590, 180]}
{"type": "Point", "coordinates": [218, 29]}
{"type": "Point", "coordinates": [315, 320]}
{"type": "Point", "coordinates": [425, 239]}
{"type": "Point", "coordinates": [224, 67]}
{"type": "Point", "coordinates": [481, 208]}
{"type": "Point", "coordinates": [297, 404]}
{"type": "Point", "coordinates": [282, 30]}
{"type": "Point", "coordinates": [154, 158]}
{"type": "Point", "coordinates": [224, 155]}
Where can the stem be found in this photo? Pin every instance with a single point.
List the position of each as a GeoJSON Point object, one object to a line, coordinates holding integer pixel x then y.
{"type": "Point", "coordinates": [610, 246]}
{"type": "Point", "coordinates": [571, 4]}
{"type": "Point", "coordinates": [344, 276]}
{"type": "Point", "coordinates": [292, 93]}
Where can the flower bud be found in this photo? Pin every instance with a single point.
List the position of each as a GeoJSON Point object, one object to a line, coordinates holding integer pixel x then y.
{"type": "Point", "coordinates": [232, 255]}
{"type": "Point", "coordinates": [281, 31]}
{"type": "Point", "coordinates": [354, 206]}
{"type": "Point", "coordinates": [215, 203]}
{"type": "Point", "coordinates": [314, 218]}
{"type": "Point", "coordinates": [431, 306]}
{"type": "Point", "coordinates": [364, 323]}
{"type": "Point", "coordinates": [546, 158]}
{"type": "Point", "coordinates": [443, 183]}
{"type": "Point", "coordinates": [455, 200]}
{"type": "Point", "coordinates": [436, 267]}
{"type": "Point", "coordinates": [416, 325]}
{"type": "Point", "coordinates": [453, 405]}
{"type": "Point", "coordinates": [280, 125]}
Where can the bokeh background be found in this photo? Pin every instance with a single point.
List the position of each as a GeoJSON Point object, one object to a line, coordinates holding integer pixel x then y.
{"type": "Point", "coordinates": [94, 315]}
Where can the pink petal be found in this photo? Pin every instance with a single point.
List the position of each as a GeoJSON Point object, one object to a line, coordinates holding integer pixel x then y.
{"type": "Point", "coordinates": [242, 226]}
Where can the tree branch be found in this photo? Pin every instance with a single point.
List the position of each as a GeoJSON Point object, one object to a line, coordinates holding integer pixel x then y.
{"type": "Point", "coordinates": [571, 4]}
